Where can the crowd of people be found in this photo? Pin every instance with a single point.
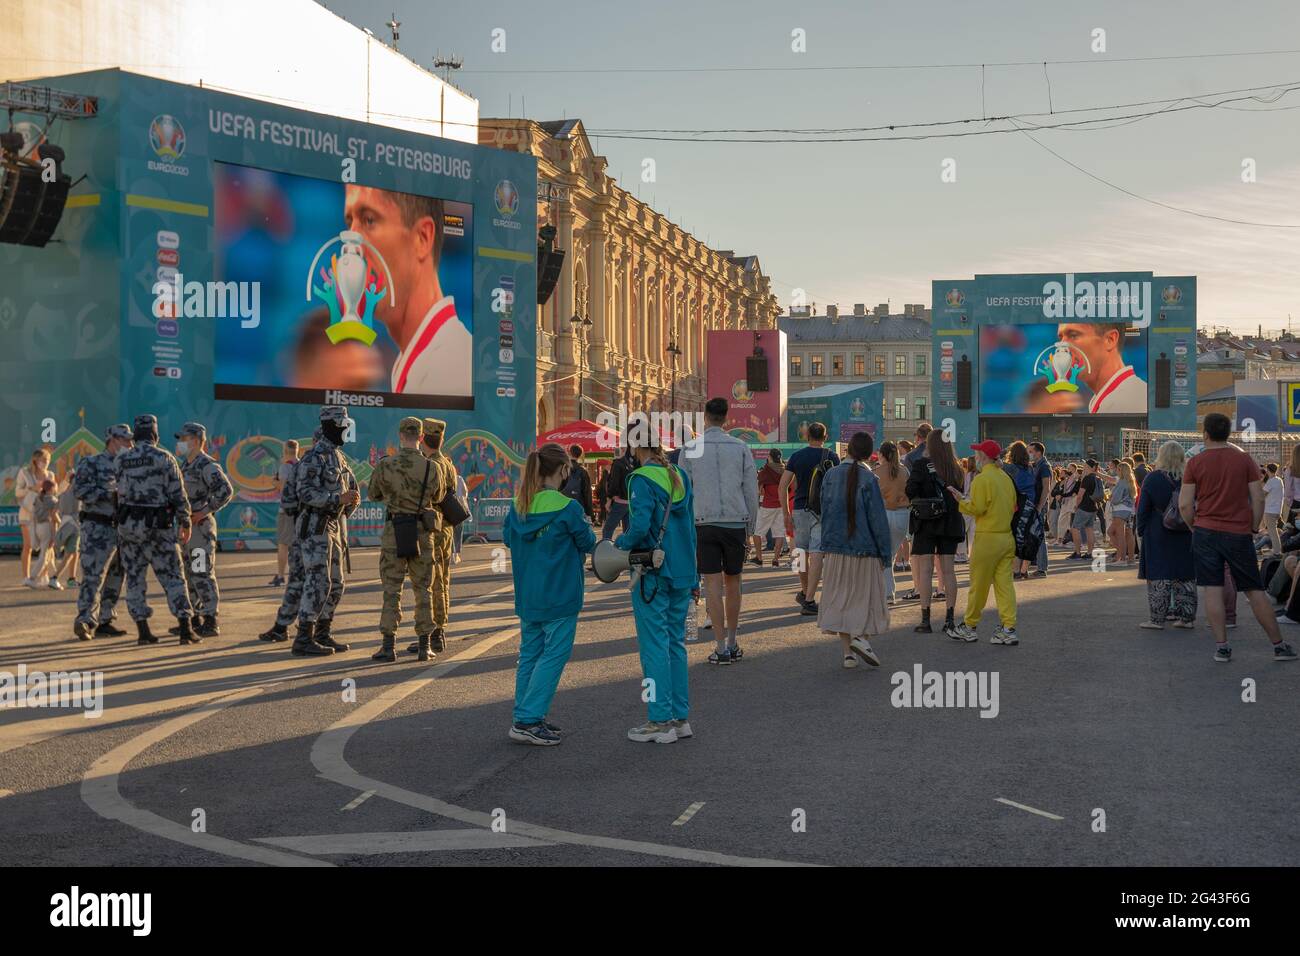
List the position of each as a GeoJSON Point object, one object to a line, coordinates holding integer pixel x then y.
{"type": "Point", "coordinates": [1192, 518]}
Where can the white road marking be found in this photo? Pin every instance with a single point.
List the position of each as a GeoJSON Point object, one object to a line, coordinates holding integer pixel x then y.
{"type": "Point", "coordinates": [327, 755]}
{"type": "Point", "coordinates": [351, 806]}
{"type": "Point", "coordinates": [100, 792]}
{"type": "Point", "coordinates": [689, 812]}
{"type": "Point", "coordinates": [1021, 806]}
{"type": "Point", "coordinates": [417, 841]}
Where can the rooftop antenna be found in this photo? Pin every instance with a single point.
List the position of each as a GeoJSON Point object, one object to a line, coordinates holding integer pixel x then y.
{"type": "Point", "coordinates": [393, 24]}
{"type": "Point", "coordinates": [447, 64]}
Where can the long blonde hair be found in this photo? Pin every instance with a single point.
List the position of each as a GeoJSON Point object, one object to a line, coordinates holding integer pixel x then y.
{"type": "Point", "coordinates": [541, 464]}
{"type": "Point", "coordinates": [1126, 478]}
{"type": "Point", "coordinates": [1170, 459]}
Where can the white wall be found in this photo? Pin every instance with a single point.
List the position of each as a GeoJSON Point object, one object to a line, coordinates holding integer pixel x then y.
{"type": "Point", "coordinates": [293, 52]}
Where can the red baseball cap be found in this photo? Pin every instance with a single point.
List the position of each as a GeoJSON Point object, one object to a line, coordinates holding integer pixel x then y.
{"type": "Point", "coordinates": [989, 447]}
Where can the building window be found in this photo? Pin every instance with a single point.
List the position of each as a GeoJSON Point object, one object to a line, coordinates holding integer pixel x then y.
{"type": "Point", "coordinates": [920, 409]}
{"type": "Point", "coordinates": [796, 366]}
{"type": "Point", "coordinates": [880, 365]}
{"type": "Point", "coordinates": [859, 365]}
{"type": "Point", "coordinates": [900, 408]}
{"type": "Point", "coordinates": [816, 363]}
{"type": "Point", "coordinates": [900, 364]}
{"type": "Point", "coordinates": [837, 364]}
{"type": "Point", "coordinates": [920, 366]}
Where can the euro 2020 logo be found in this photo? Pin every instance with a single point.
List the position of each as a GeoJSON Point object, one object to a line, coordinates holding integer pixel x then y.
{"type": "Point", "coordinates": [740, 391]}
{"type": "Point", "coordinates": [167, 137]}
{"type": "Point", "coordinates": [955, 298]}
{"type": "Point", "coordinates": [352, 287]}
{"type": "Point", "coordinates": [1062, 364]}
{"type": "Point", "coordinates": [507, 198]}
{"type": "Point", "coordinates": [1171, 295]}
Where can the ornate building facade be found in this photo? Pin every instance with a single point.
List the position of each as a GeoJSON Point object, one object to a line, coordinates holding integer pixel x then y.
{"type": "Point", "coordinates": [627, 321]}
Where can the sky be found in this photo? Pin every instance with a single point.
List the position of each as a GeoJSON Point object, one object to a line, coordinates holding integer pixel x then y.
{"type": "Point", "coordinates": [874, 221]}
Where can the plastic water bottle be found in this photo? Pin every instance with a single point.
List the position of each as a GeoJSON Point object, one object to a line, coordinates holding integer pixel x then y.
{"type": "Point", "coordinates": [693, 622]}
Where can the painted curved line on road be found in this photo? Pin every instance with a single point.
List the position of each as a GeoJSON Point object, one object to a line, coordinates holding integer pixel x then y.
{"type": "Point", "coordinates": [99, 791]}
{"type": "Point", "coordinates": [328, 758]}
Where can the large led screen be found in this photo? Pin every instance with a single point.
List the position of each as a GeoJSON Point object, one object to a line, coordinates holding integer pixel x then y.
{"type": "Point", "coordinates": [365, 295]}
{"type": "Point", "coordinates": [1074, 368]}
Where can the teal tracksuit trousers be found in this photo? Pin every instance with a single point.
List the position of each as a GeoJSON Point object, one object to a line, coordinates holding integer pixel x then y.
{"type": "Point", "coordinates": [544, 649]}
{"type": "Point", "coordinates": [661, 637]}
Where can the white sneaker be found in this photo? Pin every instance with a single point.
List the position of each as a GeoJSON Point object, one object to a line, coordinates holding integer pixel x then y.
{"type": "Point", "coordinates": [30, 583]}
{"type": "Point", "coordinates": [862, 648]}
{"type": "Point", "coordinates": [850, 662]}
{"type": "Point", "coordinates": [56, 585]}
{"type": "Point", "coordinates": [653, 732]}
{"type": "Point", "coordinates": [1005, 635]}
{"type": "Point", "coordinates": [455, 559]}
{"type": "Point", "coordinates": [683, 728]}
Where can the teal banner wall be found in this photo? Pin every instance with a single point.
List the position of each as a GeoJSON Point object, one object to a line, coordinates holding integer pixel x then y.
{"type": "Point", "coordinates": [87, 348]}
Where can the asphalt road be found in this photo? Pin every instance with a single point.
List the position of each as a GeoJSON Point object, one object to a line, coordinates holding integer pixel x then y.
{"type": "Point", "coordinates": [234, 751]}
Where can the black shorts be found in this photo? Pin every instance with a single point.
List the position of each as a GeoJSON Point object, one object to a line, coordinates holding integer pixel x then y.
{"type": "Point", "coordinates": [1212, 551]}
{"type": "Point", "coordinates": [719, 550]}
{"type": "Point", "coordinates": [925, 543]}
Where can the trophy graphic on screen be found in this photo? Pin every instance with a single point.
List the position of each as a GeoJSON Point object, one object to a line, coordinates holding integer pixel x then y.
{"type": "Point", "coordinates": [1062, 363]}
{"type": "Point", "coordinates": [351, 287]}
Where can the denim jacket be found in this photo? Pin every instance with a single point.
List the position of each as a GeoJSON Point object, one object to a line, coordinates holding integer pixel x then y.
{"type": "Point", "coordinates": [871, 532]}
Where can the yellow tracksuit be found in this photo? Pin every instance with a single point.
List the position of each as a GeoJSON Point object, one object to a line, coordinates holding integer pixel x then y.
{"type": "Point", "coordinates": [992, 503]}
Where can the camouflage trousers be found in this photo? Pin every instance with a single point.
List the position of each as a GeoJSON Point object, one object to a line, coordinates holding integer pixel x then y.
{"type": "Point", "coordinates": [393, 571]}
{"type": "Point", "coordinates": [323, 584]}
{"type": "Point", "coordinates": [143, 548]}
{"type": "Point", "coordinates": [441, 584]}
{"type": "Point", "coordinates": [297, 578]}
{"type": "Point", "coordinates": [101, 573]}
{"type": "Point", "coordinates": [201, 553]}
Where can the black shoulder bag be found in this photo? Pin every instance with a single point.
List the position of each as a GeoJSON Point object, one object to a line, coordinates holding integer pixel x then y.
{"type": "Point", "coordinates": [930, 509]}
{"type": "Point", "coordinates": [453, 512]}
{"type": "Point", "coordinates": [406, 528]}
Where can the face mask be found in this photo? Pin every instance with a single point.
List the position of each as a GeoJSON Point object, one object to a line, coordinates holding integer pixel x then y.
{"type": "Point", "coordinates": [182, 448]}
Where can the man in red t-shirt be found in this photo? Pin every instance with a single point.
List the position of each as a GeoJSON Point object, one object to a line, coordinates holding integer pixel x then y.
{"type": "Point", "coordinates": [771, 517]}
{"type": "Point", "coordinates": [1222, 501]}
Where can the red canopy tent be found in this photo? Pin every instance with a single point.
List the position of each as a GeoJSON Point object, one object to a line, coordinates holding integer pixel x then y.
{"type": "Point", "coordinates": [596, 440]}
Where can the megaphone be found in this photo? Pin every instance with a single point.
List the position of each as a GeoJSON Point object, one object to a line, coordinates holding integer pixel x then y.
{"type": "Point", "coordinates": [609, 562]}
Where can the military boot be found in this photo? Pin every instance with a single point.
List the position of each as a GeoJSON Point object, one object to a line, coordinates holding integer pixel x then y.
{"type": "Point", "coordinates": [323, 636]}
{"type": "Point", "coordinates": [413, 647]}
{"type": "Point", "coordinates": [422, 648]}
{"type": "Point", "coordinates": [188, 636]}
{"type": "Point", "coordinates": [304, 642]}
{"type": "Point", "coordinates": [109, 629]}
{"type": "Point", "coordinates": [438, 640]}
{"type": "Point", "coordinates": [387, 651]}
{"type": "Point", "coordinates": [83, 631]}
{"type": "Point", "coordinates": [207, 626]}
{"type": "Point", "coordinates": [145, 635]}
{"type": "Point", "coordinates": [275, 633]}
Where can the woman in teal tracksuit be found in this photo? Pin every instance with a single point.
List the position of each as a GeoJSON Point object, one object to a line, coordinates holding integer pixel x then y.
{"type": "Point", "coordinates": [660, 597]}
{"type": "Point", "coordinates": [548, 536]}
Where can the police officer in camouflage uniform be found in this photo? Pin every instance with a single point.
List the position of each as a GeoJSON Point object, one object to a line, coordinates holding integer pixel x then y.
{"type": "Point", "coordinates": [326, 490]}
{"type": "Point", "coordinates": [410, 486]}
{"type": "Point", "coordinates": [292, 600]}
{"type": "Point", "coordinates": [434, 431]}
{"type": "Point", "coordinates": [209, 490]}
{"type": "Point", "coordinates": [95, 486]}
{"type": "Point", "coordinates": [153, 524]}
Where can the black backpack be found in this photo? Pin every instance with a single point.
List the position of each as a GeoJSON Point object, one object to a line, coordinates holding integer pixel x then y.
{"type": "Point", "coordinates": [815, 483]}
